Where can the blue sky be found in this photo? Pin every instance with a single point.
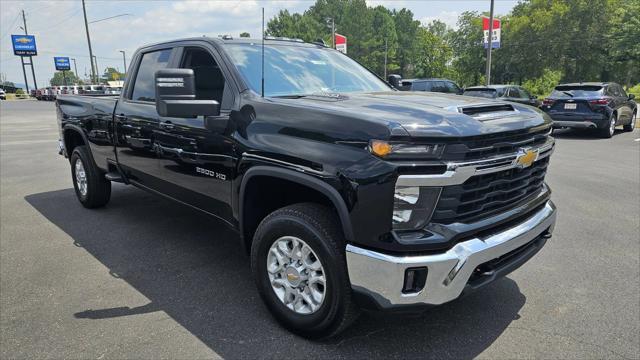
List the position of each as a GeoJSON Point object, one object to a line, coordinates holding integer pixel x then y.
{"type": "Point", "coordinates": [59, 27]}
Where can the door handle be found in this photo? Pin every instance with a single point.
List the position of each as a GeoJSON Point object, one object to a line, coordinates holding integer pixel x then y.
{"type": "Point", "coordinates": [167, 125]}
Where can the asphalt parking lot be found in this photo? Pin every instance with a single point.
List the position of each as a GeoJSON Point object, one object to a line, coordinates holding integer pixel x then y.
{"type": "Point", "coordinates": [149, 278]}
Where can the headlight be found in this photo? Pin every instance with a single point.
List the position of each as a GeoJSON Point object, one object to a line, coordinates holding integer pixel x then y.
{"type": "Point", "coordinates": [386, 149]}
{"type": "Point", "coordinates": [413, 206]}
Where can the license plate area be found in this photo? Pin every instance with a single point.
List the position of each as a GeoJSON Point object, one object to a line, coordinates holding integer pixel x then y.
{"type": "Point", "coordinates": [569, 106]}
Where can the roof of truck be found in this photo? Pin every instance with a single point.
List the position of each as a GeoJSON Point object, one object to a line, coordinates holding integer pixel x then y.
{"type": "Point", "coordinates": [231, 40]}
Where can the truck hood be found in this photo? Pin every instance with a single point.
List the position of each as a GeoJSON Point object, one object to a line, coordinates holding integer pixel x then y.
{"type": "Point", "coordinates": [425, 114]}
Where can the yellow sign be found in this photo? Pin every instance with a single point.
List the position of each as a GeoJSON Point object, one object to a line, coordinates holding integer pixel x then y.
{"type": "Point", "coordinates": [24, 40]}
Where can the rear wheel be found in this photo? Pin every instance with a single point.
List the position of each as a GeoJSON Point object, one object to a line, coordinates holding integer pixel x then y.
{"type": "Point", "coordinates": [632, 124]}
{"type": "Point", "coordinates": [92, 189]}
{"type": "Point", "coordinates": [608, 131]}
{"type": "Point", "coordinates": [299, 266]}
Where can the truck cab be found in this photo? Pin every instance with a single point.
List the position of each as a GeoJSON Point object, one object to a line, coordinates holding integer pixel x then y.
{"type": "Point", "coordinates": [345, 193]}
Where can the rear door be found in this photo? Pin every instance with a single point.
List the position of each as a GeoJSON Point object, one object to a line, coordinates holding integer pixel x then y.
{"type": "Point", "coordinates": [137, 121]}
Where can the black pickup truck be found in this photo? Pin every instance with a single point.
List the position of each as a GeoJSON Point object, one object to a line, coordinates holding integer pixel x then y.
{"type": "Point", "coordinates": [346, 193]}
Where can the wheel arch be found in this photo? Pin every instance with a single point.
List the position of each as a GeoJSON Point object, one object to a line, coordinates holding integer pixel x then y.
{"type": "Point", "coordinates": [314, 188]}
{"type": "Point", "coordinates": [74, 136]}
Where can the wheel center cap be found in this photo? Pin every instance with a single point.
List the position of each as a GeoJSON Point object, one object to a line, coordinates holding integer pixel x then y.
{"type": "Point", "coordinates": [293, 276]}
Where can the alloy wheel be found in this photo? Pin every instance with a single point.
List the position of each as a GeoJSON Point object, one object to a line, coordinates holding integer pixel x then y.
{"type": "Point", "coordinates": [296, 275]}
{"type": "Point", "coordinates": [81, 177]}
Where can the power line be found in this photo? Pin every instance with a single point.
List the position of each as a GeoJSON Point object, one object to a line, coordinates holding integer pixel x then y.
{"type": "Point", "coordinates": [69, 17]}
{"type": "Point", "coordinates": [8, 31]}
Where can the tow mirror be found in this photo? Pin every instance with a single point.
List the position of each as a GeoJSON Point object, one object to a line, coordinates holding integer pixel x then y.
{"type": "Point", "coordinates": [394, 80]}
{"type": "Point", "coordinates": [176, 95]}
{"type": "Point", "coordinates": [632, 96]}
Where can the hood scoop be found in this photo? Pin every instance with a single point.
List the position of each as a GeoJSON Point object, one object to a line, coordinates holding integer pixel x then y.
{"type": "Point", "coordinates": [485, 112]}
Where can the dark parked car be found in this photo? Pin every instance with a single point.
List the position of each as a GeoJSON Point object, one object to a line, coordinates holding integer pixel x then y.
{"type": "Point", "coordinates": [598, 106]}
{"type": "Point", "coordinates": [433, 85]}
{"type": "Point", "coordinates": [503, 92]}
{"type": "Point", "coordinates": [345, 192]}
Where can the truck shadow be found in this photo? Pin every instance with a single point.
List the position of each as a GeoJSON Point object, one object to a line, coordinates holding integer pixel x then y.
{"type": "Point", "coordinates": [194, 269]}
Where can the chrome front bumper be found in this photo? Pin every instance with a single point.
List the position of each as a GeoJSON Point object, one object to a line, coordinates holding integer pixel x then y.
{"type": "Point", "coordinates": [381, 276]}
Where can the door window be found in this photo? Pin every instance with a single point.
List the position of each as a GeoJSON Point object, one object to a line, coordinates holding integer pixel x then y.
{"type": "Point", "coordinates": [524, 94]}
{"type": "Point", "coordinates": [210, 82]}
{"type": "Point", "coordinates": [144, 86]}
{"type": "Point", "coordinates": [452, 88]}
{"type": "Point", "coordinates": [419, 86]}
{"type": "Point", "coordinates": [513, 93]}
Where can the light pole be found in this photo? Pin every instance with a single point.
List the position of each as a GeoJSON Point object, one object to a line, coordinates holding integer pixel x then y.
{"type": "Point", "coordinates": [75, 67]}
{"type": "Point", "coordinates": [124, 62]}
{"type": "Point", "coordinates": [488, 72]}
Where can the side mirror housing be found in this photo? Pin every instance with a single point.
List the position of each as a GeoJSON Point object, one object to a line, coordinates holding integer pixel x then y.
{"type": "Point", "coordinates": [632, 96]}
{"type": "Point", "coordinates": [176, 95]}
{"type": "Point", "coordinates": [394, 80]}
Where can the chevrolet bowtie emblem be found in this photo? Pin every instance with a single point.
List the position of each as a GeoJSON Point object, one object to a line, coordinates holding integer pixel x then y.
{"type": "Point", "coordinates": [23, 40]}
{"type": "Point", "coordinates": [526, 157]}
{"type": "Point", "coordinates": [292, 277]}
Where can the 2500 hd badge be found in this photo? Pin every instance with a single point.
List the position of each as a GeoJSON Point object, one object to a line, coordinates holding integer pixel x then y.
{"type": "Point", "coordinates": [345, 193]}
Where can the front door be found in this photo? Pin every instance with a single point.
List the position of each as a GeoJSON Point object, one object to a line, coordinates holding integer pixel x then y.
{"type": "Point", "coordinates": [196, 161]}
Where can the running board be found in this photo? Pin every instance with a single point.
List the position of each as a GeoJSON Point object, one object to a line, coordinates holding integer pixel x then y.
{"type": "Point", "coordinates": [114, 176]}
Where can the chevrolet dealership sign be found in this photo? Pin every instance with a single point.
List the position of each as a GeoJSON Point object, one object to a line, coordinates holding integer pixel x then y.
{"type": "Point", "coordinates": [24, 45]}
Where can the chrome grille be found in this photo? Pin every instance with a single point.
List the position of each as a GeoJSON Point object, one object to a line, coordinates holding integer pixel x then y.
{"type": "Point", "coordinates": [486, 194]}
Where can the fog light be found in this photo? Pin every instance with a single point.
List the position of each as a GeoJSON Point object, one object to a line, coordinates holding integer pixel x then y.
{"type": "Point", "coordinates": [413, 206]}
{"type": "Point", "coordinates": [414, 280]}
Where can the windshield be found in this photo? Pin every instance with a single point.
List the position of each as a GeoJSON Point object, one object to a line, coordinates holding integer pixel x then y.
{"type": "Point", "coordinates": [563, 92]}
{"type": "Point", "coordinates": [297, 70]}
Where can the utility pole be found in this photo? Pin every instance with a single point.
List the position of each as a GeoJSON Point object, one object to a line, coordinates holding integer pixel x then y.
{"type": "Point", "coordinates": [75, 68]}
{"type": "Point", "coordinates": [488, 73]}
{"type": "Point", "coordinates": [86, 26]}
{"type": "Point", "coordinates": [95, 58]}
{"type": "Point", "coordinates": [333, 31]}
{"type": "Point", "coordinates": [124, 62]}
{"type": "Point", "coordinates": [385, 58]}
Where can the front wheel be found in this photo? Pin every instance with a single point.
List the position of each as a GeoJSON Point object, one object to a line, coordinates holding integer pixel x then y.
{"type": "Point", "coordinates": [632, 124]}
{"type": "Point", "coordinates": [299, 266]}
{"type": "Point", "coordinates": [92, 189]}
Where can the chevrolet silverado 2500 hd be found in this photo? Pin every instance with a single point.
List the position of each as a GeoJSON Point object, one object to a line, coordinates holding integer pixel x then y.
{"type": "Point", "coordinates": [345, 193]}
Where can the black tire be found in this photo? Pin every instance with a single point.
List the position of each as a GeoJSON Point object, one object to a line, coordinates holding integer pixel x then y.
{"type": "Point", "coordinates": [318, 227]}
{"type": "Point", "coordinates": [606, 132]}
{"type": "Point", "coordinates": [632, 124]}
{"type": "Point", "coordinates": [98, 189]}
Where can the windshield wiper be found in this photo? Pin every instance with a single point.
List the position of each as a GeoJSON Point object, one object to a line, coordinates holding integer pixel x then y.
{"type": "Point", "coordinates": [318, 94]}
{"type": "Point", "coordinates": [290, 96]}
{"type": "Point", "coordinates": [568, 93]}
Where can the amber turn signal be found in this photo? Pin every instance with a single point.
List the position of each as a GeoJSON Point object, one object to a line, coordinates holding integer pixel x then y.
{"type": "Point", "coordinates": [380, 148]}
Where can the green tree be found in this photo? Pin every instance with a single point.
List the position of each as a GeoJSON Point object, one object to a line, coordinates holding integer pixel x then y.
{"type": "Point", "coordinates": [112, 74]}
{"type": "Point", "coordinates": [624, 42]}
{"type": "Point", "coordinates": [543, 85]}
{"type": "Point", "coordinates": [406, 31]}
{"type": "Point", "coordinates": [466, 43]}
{"type": "Point", "coordinates": [58, 78]}
{"type": "Point", "coordinates": [431, 55]}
